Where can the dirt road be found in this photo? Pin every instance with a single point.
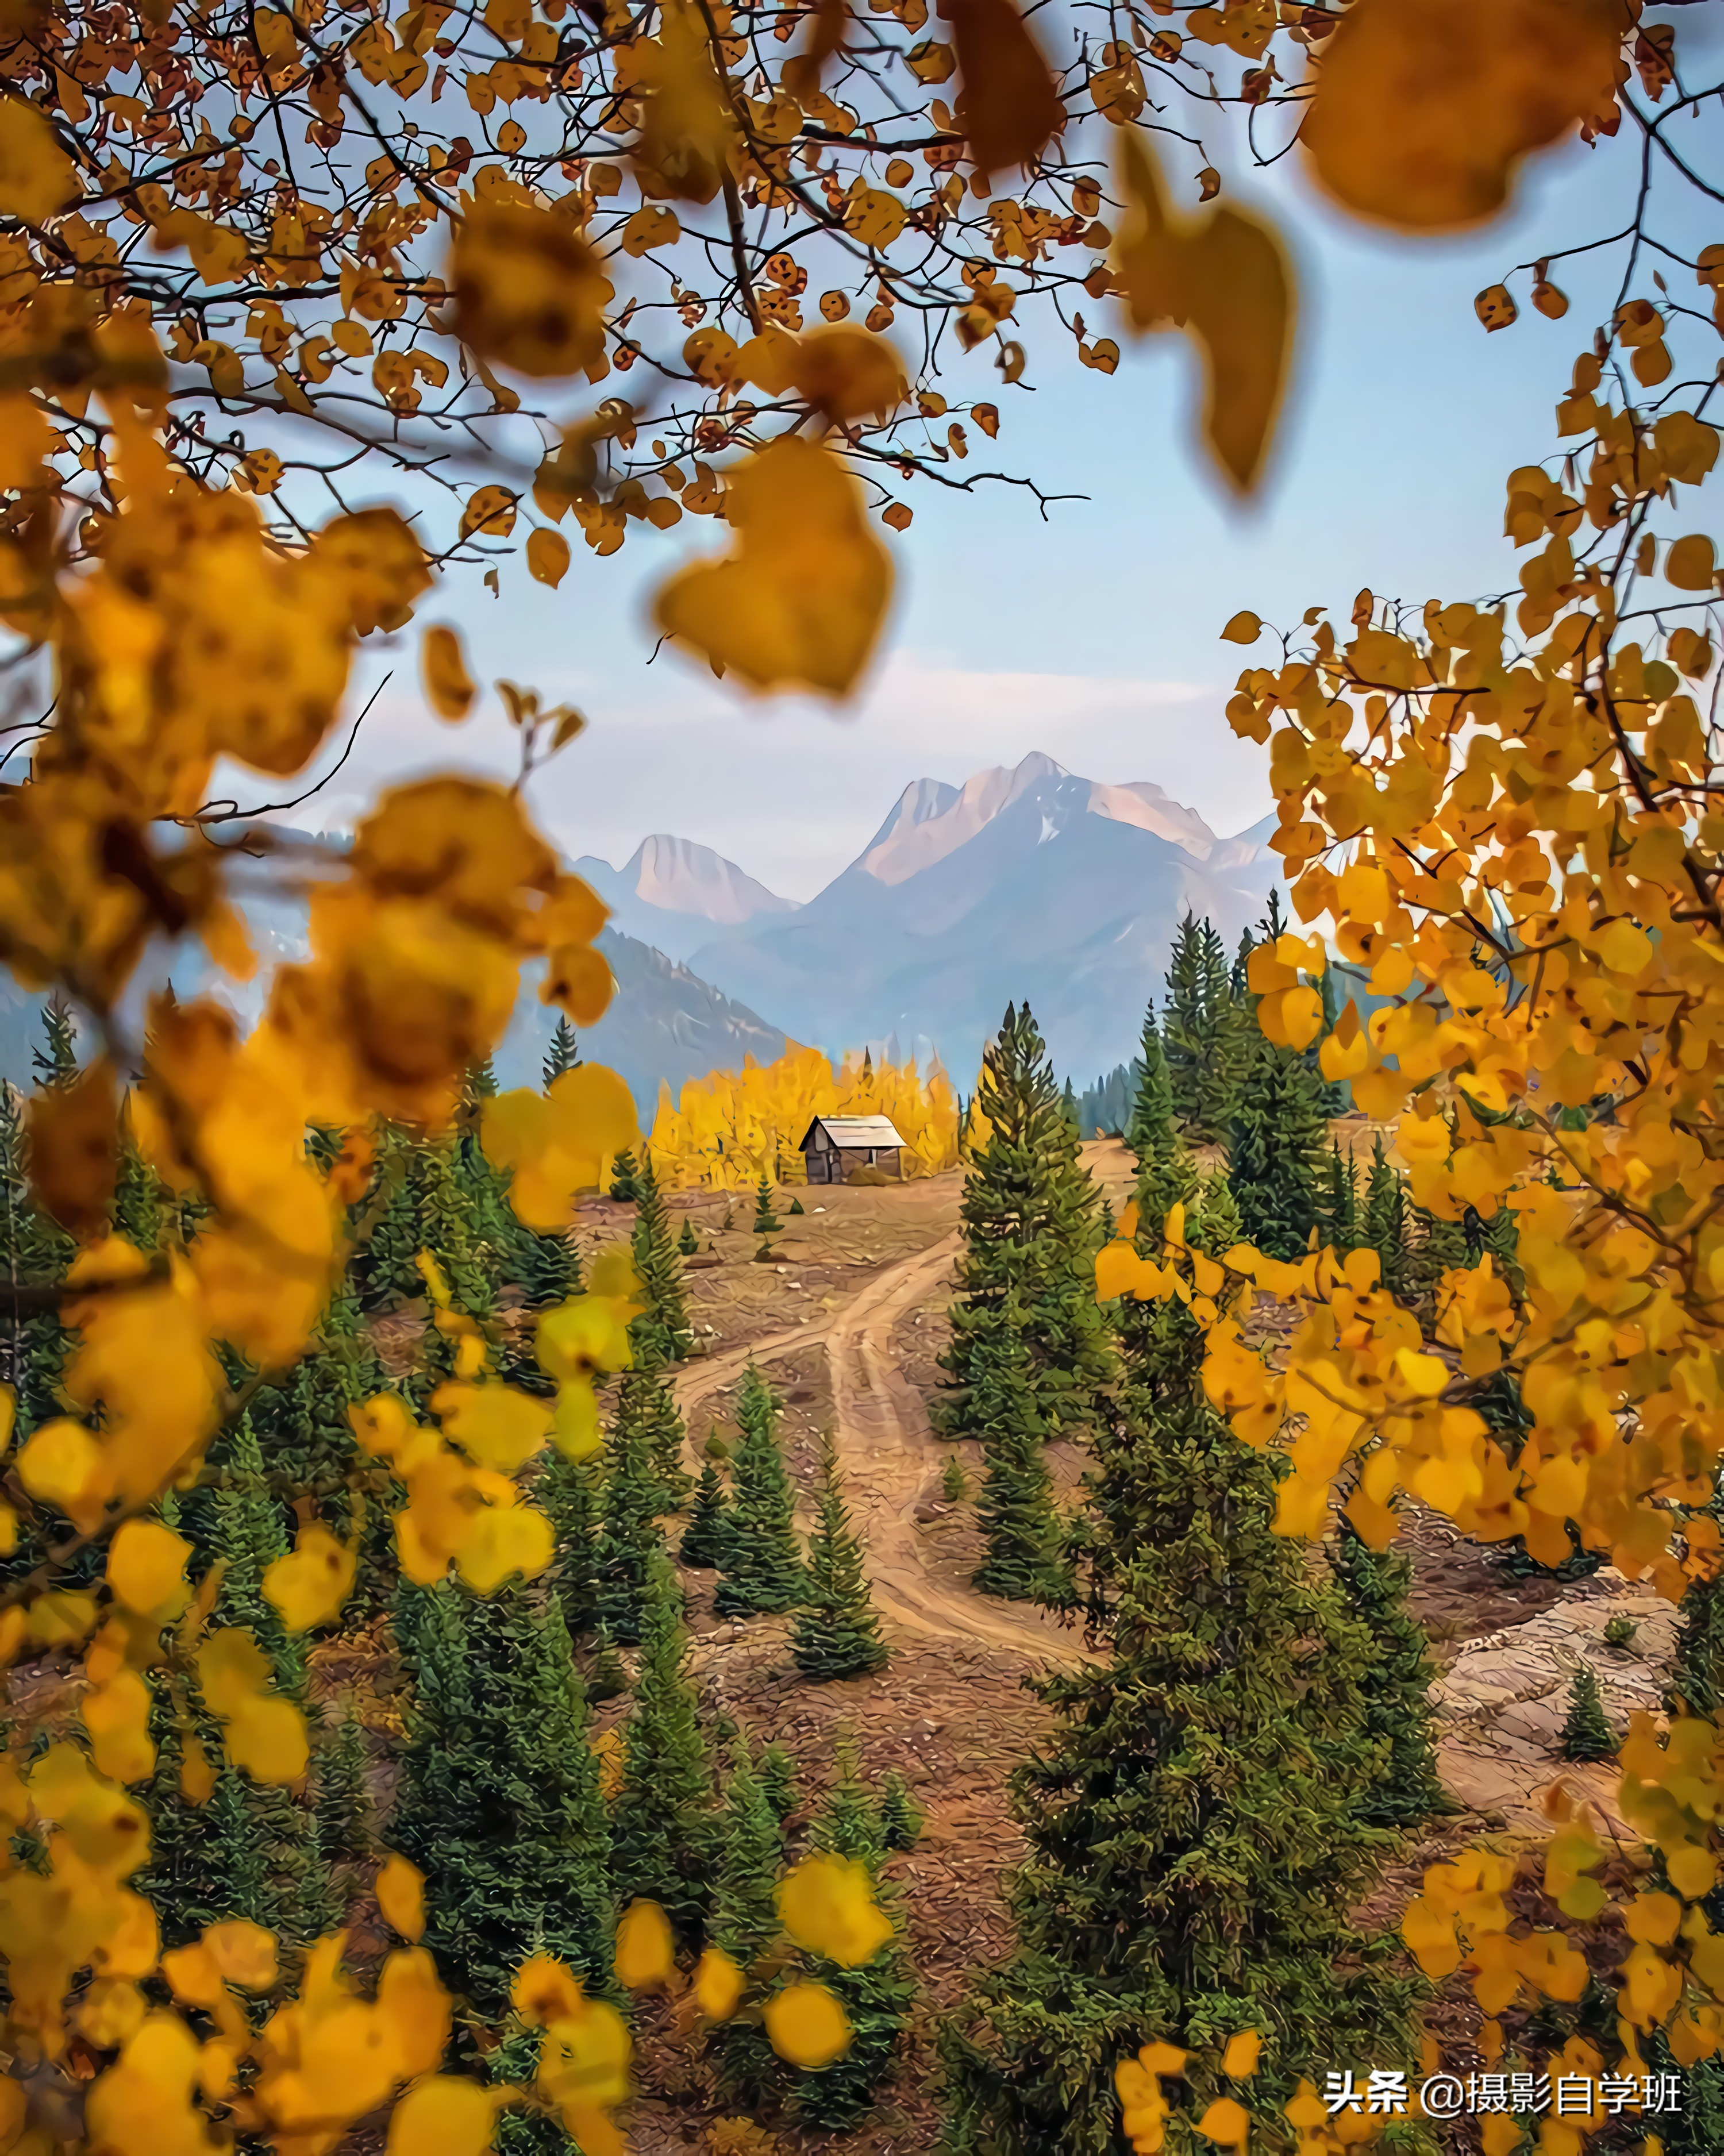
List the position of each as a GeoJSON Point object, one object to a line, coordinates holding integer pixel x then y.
{"type": "Point", "coordinates": [888, 1454]}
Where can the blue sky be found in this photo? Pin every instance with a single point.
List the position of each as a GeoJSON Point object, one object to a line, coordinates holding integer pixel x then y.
{"type": "Point", "coordinates": [1092, 635]}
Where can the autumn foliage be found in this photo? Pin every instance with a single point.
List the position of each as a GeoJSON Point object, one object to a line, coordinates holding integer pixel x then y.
{"type": "Point", "coordinates": [257, 264]}
{"type": "Point", "coordinates": [731, 1127]}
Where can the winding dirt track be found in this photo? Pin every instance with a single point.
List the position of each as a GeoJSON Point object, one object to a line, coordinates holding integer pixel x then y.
{"type": "Point", "coordinates": [887, 1453]}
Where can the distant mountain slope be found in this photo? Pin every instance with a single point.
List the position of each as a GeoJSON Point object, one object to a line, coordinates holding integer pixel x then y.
{"type": "Point", "coordinates": [672, 893]}
{"type": "Point", "coordinates": [1031, 882]}
{"type": "Point", "coordinates": [665, 1025]}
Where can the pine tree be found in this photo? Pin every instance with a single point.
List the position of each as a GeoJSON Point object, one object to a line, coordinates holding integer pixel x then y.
{"type": "Point", "coordinates": [1167, 1176]}
{"type": "Point", "coordinates": [36, 1252]}
{"type": "Point", "coordinates": [1587, 1733]}
{"type": "Point", "coordinates": [662, 1332]}
{"type": "Point", "coordinates": [1405, 1789]}
{"type": "Point", "coordinates": [1214, 1226]}
{"type": "Point", "coordinates": [1338, 1222]}
{"type": "Point", "coordinates": [901, 1819]}
{"type": "Point", "coordinates": [836, 1633]}
{"type": "Point", "coordinates": [1015, 1509]}
{"type": "Point", "coordinates": [497, 1238]}
{"type": "Point", "coordinates": [745, 1922]}
{"type": "Point", "coordinates": [452, 1226]}
{"type": "Point", "coordinates": [703, 1541]}
{"type": "Point", "coordinates": [567, 1491]}
{"type": "Point", "coordinates": [1031, 1231]}
{"type": "Point", "coordinates": [664, 1830]}
{"type": "Point", "coordinates": [688, 1242]}
{"type": "Point", "coordinates": [796, 1206]}
{"type": "Point", "coordinates": [563, 1054]}
{"type": "Point", "coordinates": [1385, 1222]}
{"type": "Point", "coordinates": [777, 1777]}
{"type": "Point", "coordinates": [629, 1539]}
{"type": "Point", "coordinates": [303, 1429]}
{"type": "Point", "coordinates": [55, 1062]}
{"type": "Point", "coordinates": [138, 1194]}
{"type": "Point", "coordinates": [548, 1268]}
{"type": "Point", "coordinates": [1193, 1844]}
{"type": "Point", "coordinates": [500, 1806]}
{"type": "Point", "coordinates": [760, 1567]}
{"type": "Point", "coordinates": [765, 1221]}
{"type": "Point", "coordinates": [606, 1678]}
{"type": "Point", "coordinates": [384, 1269]}
{"type": "Point", "coordinates": [623, 1178]}
{"type": "Point", "coordinates": [877, 1998]}
{"type": "Point", "coordinates": [1185, 1034]}
{"type": "Point", "coordinates": [346, 1820]}
{"type": "Point", "coordinates": [1272, 1153]}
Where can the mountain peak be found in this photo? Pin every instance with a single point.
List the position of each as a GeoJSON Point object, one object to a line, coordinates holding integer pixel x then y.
{"type": "Point", "coordinates": [683, 877]}
{"type": "Point", "coordinates": [932, 820]}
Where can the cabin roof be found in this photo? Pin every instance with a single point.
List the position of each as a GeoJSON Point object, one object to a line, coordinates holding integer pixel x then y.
{"type": "Point", "coordinates": [853, 1133]}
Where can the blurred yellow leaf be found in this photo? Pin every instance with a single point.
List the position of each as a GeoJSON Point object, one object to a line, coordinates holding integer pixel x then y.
{"type": "Point", "coordinates": [146, 1568]}
{"type": "Point", "coordinates": [800, 602]}
{"type": "Point", "coordinates": [806, 2026]}
{"type": "Point", "coordinates": [1008, 102]}
{"type": "Point", "coordinates": [445, 2115]}
{"type": "Point", "coordinates": [36, 175]}
{"type": "Point", "coordinates": [448, 686]}
{"type": "Point", "coordinates": [646, 1952]}
{"type": "Point", "coordinates": [1225, 278]}
{"type": "Point", "coordinates": [401, 1897]}
{"type": "Point", "coordinates": [528, 291]}
{"type": "Point", "coordinates": [1238, 2061]}
{"type": "Point", "coordinates": [1226, 2122]}
{"type": "Point", "coordinates": [827, 1904]}
{"type": "Point", "coordinates": [718, 1985]}
{"type": "Point", "coordinates": [547, 556]}
{"type": "Point", "coordinates": [1424, 108]}
{"type": "Point", "coordinates": [310, 1585]}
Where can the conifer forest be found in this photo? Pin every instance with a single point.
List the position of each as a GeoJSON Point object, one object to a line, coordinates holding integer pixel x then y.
{"type": "Point", "coordinates": [837, 1604]}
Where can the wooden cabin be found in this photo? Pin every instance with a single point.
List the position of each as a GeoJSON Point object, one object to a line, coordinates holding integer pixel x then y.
{"type": "Point", "coordinates": [833, 1146]}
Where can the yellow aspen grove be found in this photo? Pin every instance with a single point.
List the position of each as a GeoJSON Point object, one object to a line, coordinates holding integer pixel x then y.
{"type": "Point", "coordinates": [302, 307]}
{"type": "Point", "coordinates": [731, 1127]}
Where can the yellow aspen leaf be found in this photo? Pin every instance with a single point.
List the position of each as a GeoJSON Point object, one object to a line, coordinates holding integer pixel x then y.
{"type": "Point", "coordinates": [651, 226]}
{"type": "Point", "coordinates": [446, 2116]}
{"type": "Point", "coordinates": [489, 513]}
{"type": "Point", "coordinates": [1227, 2121]}
{"type": "Point", "coordinates": [806, 2026]}
{"type": "Point", "coordinates": [1423, 108]}
{"type": "Point", "coordinates": [800, 602]}
{"type": "Point", "coordinates": [827, 1904]}
{"type": "Point", "coordinates": [504, 1539]}
{"type": "Point", "coordinates": [1690, 565]}
{"type": "Point", "coordinates": [687, 129]}
{"type": "Point", "coordinates": [646, 1952]}
{"type": "Point", "coordinates": [1496, 307]}
{"type": "Point", "coordinates": [146, 1568]}
{"type": "Point", "coordinates": [74, 1133]}
{"type": "Point", "coordinates": [528, 291]}
{"type": "Point", "coordinates": [547, 556]}
{"type": "Point", "coordinates": [36, 175]}
{"type": "Point", "coordinates": [62, 1464]}
{"type": "Point", "coordinates": [267, 1740]}
{"type": "Point", "coordinates": [874, 218]}
{"type": "Point", "coordinates": [1225, 278]}
{"type": "Point", "coordinates": [244, 1953]}
{"type": "Point", "coordinates": [494, 1424]}
{"type": "Point", "coordinates": [117, 1715]}
{"type": "Point", "coordinates": [310, 1585]}
{"type": "Point", "coordinates": [719, 1984]}
{"type": "Point", "coordinates": [1238, 2061]}
{"type": "Point", "coordinates": [1244, 628]}
{"type": "Point", "coordinates": [448, 686]}
{"type": "Point", "coordinates": [1008, 103]}
{"type": "Point", "coordinates": [401, 1897]}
